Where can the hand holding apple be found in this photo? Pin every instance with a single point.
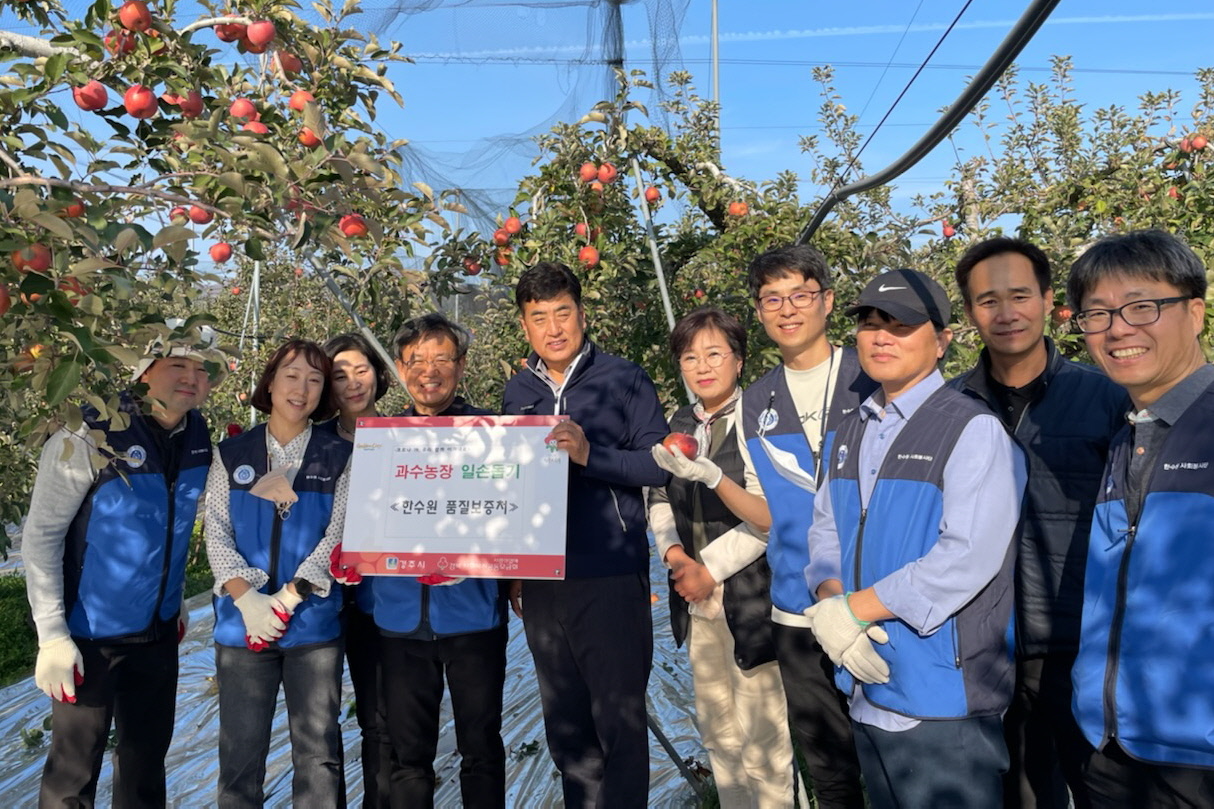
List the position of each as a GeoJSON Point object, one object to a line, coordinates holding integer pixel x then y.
{"type": "Point", "coordinates": [672, 456]}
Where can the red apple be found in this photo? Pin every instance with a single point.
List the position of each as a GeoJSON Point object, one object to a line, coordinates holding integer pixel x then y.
{"type": "Point", "coordinates": [134, 16]}
{"type": "Point", "coordinates": [233, 428]}
{"type": "Point", "coordinates": [588, 172]}
{"type": "Point", "coordinates": [220, 252]}
{"type": "Point", "coordinates": [74, 289]}
{"type": "Point", "coordinates": [119, 42]}
{"type": "Point", "coordinates": [289, 63]}
{"type": "Point", "coordinates": [74, 209]}
{"type": "Point", "coordinates": [91, 96]}
{"type": "Point", "coordinates": [1061, 314]}
{"type": "Point", "coordinates": [299, 272]}
{"type": "Point", "coordinates": [652, 194]}
{"type": "Point", "coordinates": [230, 31]}
{"type": "Point", "coordinates": [512, 225]}
{"type": "Point", "coordinates": [140, 102]}
{"type": "Point", "coordinates": [243, 108]}
{"type": "Point", "coordinates": [607, 173]}
{"type": "Point", "coordinates": [685, 443]}
{"type": "Point", "coordinates": [502, 257]}
{"type": "Point", "coordinates": [309, 138]}
{"type": "Point", "coordinates": [236, 291]}
{"type": "Point", "coordinates": [300, 99]}
{"type": "Point", "coordinates": [581, 229]}
{"type": "Point", "coordinates": [501, 237]}
{"type": "Point", "coordinates": [32, 258]}
{"type": "Point", "coordinates": [588, 255]}
{"type": "Point", "coordinates": [738, 209]}
{"type": "Point", "coordinates": [256, 127]}
{"type": "Point", "coordinates": [190, 103]}
{"type": "Point", "coordinates": [947, 230]}
{"type": "Point", "coordinates": [200, 216]}
{"type": "Point", "coordinates": [472, 266]}
{"type": "Point", "coordinates": [1174, 192]}
{"type": "Point", "coordinates": [699, 293]}
{"type": "Point", "coordinates": [352, 225]}
{"type": "Point", "coordinates": [1185, 145]}
{"type": "Point", "coordinates": [179, 215]}
{"type": "Point", "coordinates": [260, 33]}
{"type": "Point", "coordinates": [1198, 143]}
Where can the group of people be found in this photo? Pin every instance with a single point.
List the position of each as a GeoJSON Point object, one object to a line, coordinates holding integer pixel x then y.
{"type": "Point", "coordinates": [974, 592]}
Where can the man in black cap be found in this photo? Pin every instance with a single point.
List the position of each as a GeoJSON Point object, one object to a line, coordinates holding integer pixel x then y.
{"type": "Point", "coordinates": [911, 559]}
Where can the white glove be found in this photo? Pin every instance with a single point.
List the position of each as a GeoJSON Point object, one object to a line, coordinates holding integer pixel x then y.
{"type": "Point", "coordinates": [289, 602]}
{"type": "Point", "coordinates": [261, 621]}
{"type": "Point", "coordinates": [700, 470]}
{"type": "Point", "coordinates": [183, 621]}
{"type": "Point", "coordinates": [834, 625]}
{"type": "Point", "coordinates": [60, 668]}
{"type": "Point", "coordinates": [862, 660]}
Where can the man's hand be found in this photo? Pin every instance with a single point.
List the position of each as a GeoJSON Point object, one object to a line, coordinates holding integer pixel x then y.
{"type": "Point", "coordinates": [700, 470]}
{"type": "Point", "coordinates": [568, 436]}
{"type": "Point", "coordinates": [342, 574]}
{"type": "Point", "coordinates": [183, 621]}
{"type": "Point", "coordinates": [693, 581]}
{"type": "Point", "coordinates": [862, 660]}
{"type": "Point", "coordinates": [59, 669]}
{"type": "Point", "coordinates": [834, 626]}
{"type": "Point", "coordinates": [515, 593]}
{"type": "Point", "coordinates": [262, 622]}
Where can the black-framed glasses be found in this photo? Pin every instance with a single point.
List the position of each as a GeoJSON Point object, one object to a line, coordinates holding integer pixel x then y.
{"type": "Point", "coordinates": [689, 362]}
{"type": "Point", "coordinates": [1135, 313]}
{"type": "Point", "coordinates": [800, 300]}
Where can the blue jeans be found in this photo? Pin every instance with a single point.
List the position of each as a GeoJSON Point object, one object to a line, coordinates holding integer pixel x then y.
{"type": "Point", "coordinates": [248, 692]}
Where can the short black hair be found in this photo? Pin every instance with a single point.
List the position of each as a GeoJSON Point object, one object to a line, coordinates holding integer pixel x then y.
{"type": "Point", "coordinates": [416, 329]}
{"type": "Point", "coordinates": [1153, 254]}
{"type": "Point", "coordinates": [353, 341]}
{"type": "Point", "coordinates": [707, 317]}
{"type": "Point", "coordinates": [996, 247]}
{"type": "Point", "coordinates": [545, 281]}
{"type": "Point", "coordinates": [315, 356]}
{"type": "Point", "coordinates": [797, 259]}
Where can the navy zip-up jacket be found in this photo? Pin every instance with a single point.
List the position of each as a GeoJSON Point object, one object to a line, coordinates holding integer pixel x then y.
{"type": "Point", "coordinates": [1065, 434]}
{"type": "Point", "coordinates": [616, 405]}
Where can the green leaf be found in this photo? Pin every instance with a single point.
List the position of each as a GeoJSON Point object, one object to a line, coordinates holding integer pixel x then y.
{"type": "Point", "coordinates": [54, 224]}
{"type": "Point", "coordinates": [233, 180]}
{"type": "Point", "coordinates": [55, 65]}
{"type": "Point", "coordinates": [63, 380]}
{"type": "Point", "coordinates": [253, 249]}
{"type": "Point", "coordinates": [170, 235]}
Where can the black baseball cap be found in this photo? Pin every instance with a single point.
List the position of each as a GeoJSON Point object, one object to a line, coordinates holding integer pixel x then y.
{"type": "Point", "coordinates": [909, 296]}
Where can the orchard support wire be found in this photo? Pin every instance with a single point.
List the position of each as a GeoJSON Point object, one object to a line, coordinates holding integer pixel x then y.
{"type": "Point", "coordinates": [1020, 35]}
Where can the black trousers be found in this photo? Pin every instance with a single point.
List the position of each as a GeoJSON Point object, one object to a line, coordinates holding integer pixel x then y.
{"type": "Point", "coordinates": [134, 687]}
{"type": "Point", "coordinates": [362, 658]}
{"type": "Point", "coordinates": [1116, 781]}
{"type": "Point", "coordinates": [592, 640]}
{"type": "Point", "coordinates": [817, 712]}
{"type": "Point", "coordinates": [475, 669]}
{"type": "Point", "coordinates": [1046, 747]}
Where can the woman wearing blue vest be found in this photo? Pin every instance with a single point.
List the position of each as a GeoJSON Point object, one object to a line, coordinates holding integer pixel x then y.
{"type": "Point", "coordinates": [720, 583]}
{"type": "Point", "coordinates": [360, 378]}
{"type": "Point", "coordinates": [276, 501]}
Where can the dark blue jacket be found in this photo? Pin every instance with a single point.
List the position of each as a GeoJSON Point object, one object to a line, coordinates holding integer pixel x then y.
{"type": "Point", "coordinates": [767, 407]}
{"type": "Point", "coordinates": [1065, 435]}
{"type": "Point", "coordinates": [1145, 670]}
{"type": "Point", "coordinates": [403, 607]}
{"type": "Point", "coordinates": [125, 550]}
{"type": "Point", "coordinates": [279, 546]}
{"type": "Point", "coordinates": [617, 407]}
{"type": "Point", "coordinates": [965, 667]}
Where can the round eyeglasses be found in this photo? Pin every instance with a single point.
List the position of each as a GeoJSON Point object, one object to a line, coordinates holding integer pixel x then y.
{"type": "Point", "coordinates": [689, 362]}
{"type": "Point", "coordinates": [799, 300]}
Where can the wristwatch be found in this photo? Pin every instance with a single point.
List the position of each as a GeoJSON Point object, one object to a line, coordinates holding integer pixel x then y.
{"type": "Point", "coordinates": [303, 587]}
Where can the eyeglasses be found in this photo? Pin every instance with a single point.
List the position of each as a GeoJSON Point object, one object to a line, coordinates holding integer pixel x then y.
{"type": "Point", "coordinates": [800, 300]}
{"type": "Point", "coordinates": [438, 364]}
{"type": "Point", "coordinates": [1135, 313]}
{"type": "Point", "coordinates": [689, 362]}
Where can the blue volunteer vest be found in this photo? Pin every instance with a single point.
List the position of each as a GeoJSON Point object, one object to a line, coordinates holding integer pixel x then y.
{"type": "Point", "coordinates": [965, 667]}
{"type": "Point", "coordinates": [767, 408]}
{"type": "Point", "coordinates": [1145, 670]}
{"type": "Point", "coordinates": [125, 550]}
{"type": "Point", "coordinates": [279, 546]}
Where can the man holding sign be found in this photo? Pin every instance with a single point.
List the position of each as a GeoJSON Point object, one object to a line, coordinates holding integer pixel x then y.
{"type": "Point", "coordinates": [436, 625]}
{"type": "Point", "coordinates": [592, 634]}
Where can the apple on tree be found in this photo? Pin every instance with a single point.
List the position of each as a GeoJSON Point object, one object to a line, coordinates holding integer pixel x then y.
{"type": "Point", "coordinates": [134, 16]}
{"type": "Point", "coordinates": [34, 257]}
{"type": "Point", "coordinates": [588, 255]}
{"type": "Point", "coordinates": [91, 96]}
{"type": "Point", "coordinates": [652, 194]}
{"type": "Point", "coordinates": [309, 138]}
{"type": "Point", "coordinates": [221, 252]}
{"type": "Point", "coordinates": [260, 33]}
{"type": "Point", "coordinates": [230, 31]}
{"type": "Point", "coordinates": [512, 225]}
{"type": "Point", "coordinates": [140, 102]}
{"type": "Point", "coordinates": [300, 99]}
{"type": "Point", "coordinates": [588, 172]}
{"type": "Point", "coordinates": [199, 215]}
{"type": "Point", "coordinates": [607, 174]}
{"type": "Point", "coordinates": [352, 225]}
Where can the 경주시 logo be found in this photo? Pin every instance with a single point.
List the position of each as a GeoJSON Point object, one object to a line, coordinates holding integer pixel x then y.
{"type": "Point", "coordinates": [243, 474]}
{"type": "Point", "coordinates": [135, 456]}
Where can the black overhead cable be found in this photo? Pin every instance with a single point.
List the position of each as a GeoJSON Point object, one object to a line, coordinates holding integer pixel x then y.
{"type": "Point", "coordinates": [1020, 35]}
